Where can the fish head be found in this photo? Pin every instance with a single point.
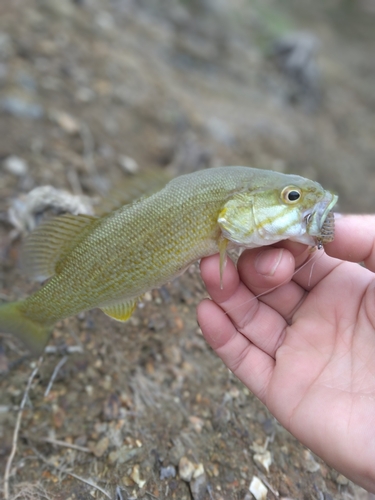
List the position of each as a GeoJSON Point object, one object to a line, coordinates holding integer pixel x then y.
{"type": "Point", "coordinates": [296, 208]}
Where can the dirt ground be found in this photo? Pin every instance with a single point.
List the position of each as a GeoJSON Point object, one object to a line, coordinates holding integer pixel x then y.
{"type": "Point", "coordinates": [89, 90]}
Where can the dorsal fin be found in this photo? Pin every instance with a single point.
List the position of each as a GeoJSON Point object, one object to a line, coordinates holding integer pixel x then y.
{"type": "Point", "coordinates": [50, 242]}
{"type": "Point", "coordinates": [132, 189]}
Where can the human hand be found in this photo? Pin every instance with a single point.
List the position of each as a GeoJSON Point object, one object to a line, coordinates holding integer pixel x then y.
{"type": "Point", "coordinates": [306, 349]}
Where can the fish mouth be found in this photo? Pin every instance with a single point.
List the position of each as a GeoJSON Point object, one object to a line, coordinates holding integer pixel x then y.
{"type": "Point", "coordinates": [321, 223]}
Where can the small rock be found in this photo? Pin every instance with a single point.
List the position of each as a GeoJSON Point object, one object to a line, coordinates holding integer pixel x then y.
{"type": "Point", "coordinates": [127, 481]}
{"type": "Point", "coordinates": [115, 436]}
{"type": "Point", "coordinates": [342, 480]}
{"type": "Point", "coordinates": [176, 452]}
{"type": "Point", "coordinates": [197, 423]}
{"type": "Point", "coordinates": [111, 407]}
{"type": "Point", "coordinates": [311, 465]}
{"type": "Point", "coordinates": [264, 459]}
{"type": "Point", "coordinates": [198, 487]}
{"type": "Point", "coordinates": [257, 489]}
{"type": "Point", "coordinates": [101, 447]}
{"type": "Point", "coordinates": [16, 166]}
{"type": "Point", "coordinates": [67, 122]}
{"type": "Point", "coordinates": [123, 455]}
{"type": "Point", "coordinates": [173, 354]}
{"type": "Point", "coordinates": [199, 471]}
{"type": "Point", "coordinates": [186, 469]}
{"type": "Point", "coordinates": [128, 164]}
{"type": "Point", "coordinates": [136, 476]}
{"type": "Point", "coordinates": [269, 426]}
{"type": "Point", "coordinates": [167, 472]}
{"type": "Point", "coordinates": [21, 108]}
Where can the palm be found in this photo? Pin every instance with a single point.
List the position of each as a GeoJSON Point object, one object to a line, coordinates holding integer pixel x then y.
{"type": "Point", "coordinates": [324, 375]}
{"type": "Point", "coordinates": [306, 349]}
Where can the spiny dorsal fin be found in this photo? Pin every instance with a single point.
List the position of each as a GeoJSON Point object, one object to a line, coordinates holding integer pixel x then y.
{"type": "Point", "coordinates": [122, 311]}
{"type": "Point", "coordinates": [132, 189]}
{"type": "Point", "coordinates": [50, 242]}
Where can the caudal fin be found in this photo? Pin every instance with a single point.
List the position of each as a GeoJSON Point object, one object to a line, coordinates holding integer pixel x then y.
{"type": "Point", "coordinates": [35, 335]}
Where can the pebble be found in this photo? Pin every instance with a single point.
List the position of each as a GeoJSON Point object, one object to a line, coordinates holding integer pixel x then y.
{"type": "Point", "coordinates": [129, 165]}
{"type": "Point", "coordinates": [111, 407]}
{"type": "Point", "coordinates": [257, 489]}
{"type": "Point", "coordinates": [136, 476]}
{"type": "Point", "coordinates": [199, 471]}
{"type": "Point", "coordinates": [124, 454]}
{"type": "Point", "coordinates": [176, 452]}
{"type": "Point", "coordinates": [264, 459]}
{"type": "Point", "coordinates": [67, 122]}
{"type": "Point", "coordinates": [21, 108]}
{"type": "Point", "coordinates": [342, 480]}
{"type": "Point", "coordinates": [101, 447]}
{"type": "Point", "coordinates": [311, 465]}
{"type": "Point", "coordinates": [197, 423]}
{"type": "Point", "coordinates": [16, 165]}
{"type": "Point", "coordinates": [198, 487]}
{"type": "Point", "coordinates": [186, 469]}
{"type": "Point", "coordinates": [167, 472]}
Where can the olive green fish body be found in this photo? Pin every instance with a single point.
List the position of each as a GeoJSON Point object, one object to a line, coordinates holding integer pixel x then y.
{"type": "Point", "coordinates": [110, 262]}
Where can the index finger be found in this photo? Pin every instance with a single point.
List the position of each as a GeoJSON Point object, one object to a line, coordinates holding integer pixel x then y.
{"type": "Point", "coordinates": [256, 321]}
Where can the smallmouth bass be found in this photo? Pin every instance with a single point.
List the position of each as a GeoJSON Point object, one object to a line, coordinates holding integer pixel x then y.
{"type": "Point", "coordinates": [111, 261]}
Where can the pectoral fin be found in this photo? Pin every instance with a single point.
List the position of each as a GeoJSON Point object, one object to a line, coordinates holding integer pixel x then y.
{"type": "Point", "coordinates": [223, 243]}
{"type": "Point", "coordinates": [122, 311]}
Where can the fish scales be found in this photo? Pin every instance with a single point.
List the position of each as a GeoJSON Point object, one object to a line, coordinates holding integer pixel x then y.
{"type": "Point", "coordinates": [113, 260]}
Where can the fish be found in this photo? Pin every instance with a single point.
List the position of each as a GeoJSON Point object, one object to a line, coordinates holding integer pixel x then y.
{"type": "Point", "coordinates": [111, 261]}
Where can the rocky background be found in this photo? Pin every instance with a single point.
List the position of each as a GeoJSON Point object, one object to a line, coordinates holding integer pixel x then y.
{"type": "Point", "coordinates": [93, 91]}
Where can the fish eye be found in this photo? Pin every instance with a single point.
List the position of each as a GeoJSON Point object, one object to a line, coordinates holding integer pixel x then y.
{"type": "Point", "coordinates": [291, 194]}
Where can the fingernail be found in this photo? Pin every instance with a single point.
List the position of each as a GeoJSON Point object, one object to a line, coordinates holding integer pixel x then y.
{"type": "Point", "coordinates": [267, 261]}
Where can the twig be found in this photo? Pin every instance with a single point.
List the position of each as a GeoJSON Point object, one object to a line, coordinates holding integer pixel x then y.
{"type": "Point", "coordinates": [267, 483]}
{"type": "Point", "coordinates": [17, 428]}
{"type": "Point", "coordinates": [89, 482]}
{"type": "Point", "coordinates": [58, 442]}
{"type": "Point", "coordinates": [151, 495]}
{"type": "Point", "coordinates": [118, 493]}
{"type": "Point", "coordinates": [74, 182]}
{"type": "Point", "coordinates": [54, 374]}
{"type": "Point", "coordinates": [88, 148]}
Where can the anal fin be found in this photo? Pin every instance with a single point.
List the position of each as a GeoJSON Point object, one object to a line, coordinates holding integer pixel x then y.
{"type": "Point", "coordinates": [121, 311]}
